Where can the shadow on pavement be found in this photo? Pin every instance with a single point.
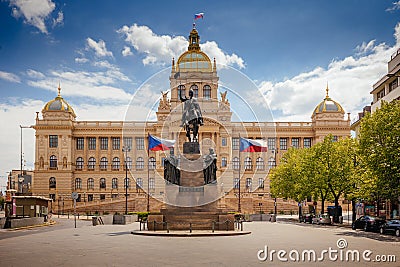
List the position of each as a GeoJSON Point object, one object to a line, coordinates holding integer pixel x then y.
{"type": "Point", "coordinates": [369, 235]}
{"type": "Point", "coordinates": [119, 233]}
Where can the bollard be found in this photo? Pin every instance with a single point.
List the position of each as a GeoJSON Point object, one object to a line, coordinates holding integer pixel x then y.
{"type": "Point", "coordinates": [140, 226]}
{"type": "Point", "coordinates": [190, 227]}
{"type": "Point", "coordinates": [78, 216]}
{"type": "Point", "coordinates": [68, 214]}
{"type": "Point", "coordinates": [166, 223]}
{"type": "Point", "coordinates": [227, 225]}
{"type": "Point", "coordinates": [154, 226]}
{"type": "Point", "coordinates": [241, 226]}
{"type": "Point", "coordinates": [213, 226]}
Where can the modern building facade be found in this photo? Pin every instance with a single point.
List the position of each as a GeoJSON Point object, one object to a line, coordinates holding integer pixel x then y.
{"type": "Point", "coordinates": [93, 158]}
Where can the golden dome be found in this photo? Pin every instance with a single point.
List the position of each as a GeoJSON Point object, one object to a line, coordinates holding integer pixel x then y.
{"type": "Point", "coordinates": [328, 105]}
{"type": "Point", "coordinates": [58, 104]}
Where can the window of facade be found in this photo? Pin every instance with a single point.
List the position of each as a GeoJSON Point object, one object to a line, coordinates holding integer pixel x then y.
{"type": "Point", "coordinates": [271, 143]}
{"type": "Point", "coordinates": [235, 143]}
{"type": "Point", "coordinates": [92, 143]}
{"type": "Point", "coordinates": [236, 183]}
{"type": "Point", "coordinates": [91, 163]}
{"type": "Point", "coordinates": [53, 162]}
{"type": "Point", "coordinates": [307, 142]}
{"type": "Point", "coordinates": [79, 198]}
{"type": "Point", "coordinates": [393, 85]}
{"type": "Point", "coordinates": [53, 140]}
{"type": "Point", "coordinates": [116, 143]}
{"type": "Point", "coordinates": [80, 143]}
{"type": "Point", "coordinates": [90, 183]}
{"type": "Point", "coordinates": [224, 141]}
{"type": "Point", "coordinates": [296, 142]}
{"type": "Point", "coordinates": [90, 197]}
{"type": "Point", "coordinates": [335, 138]}
{"type": "Point", "coordinates": [283, 143]}
{"type": "Point", "coordinates": [139, 143]}
{"type": "Point", "coordinates": [102, 196]}
{"type": "Point", "coordinates": [235, 163]}
{"type": "Point", "coordinates": [247, 163]}
{"type": "Point", "coordinates": [271, 162]}
{"type": "Point", "coordinates": [114, 183]}
{"type": "Point", "coordinates": [104, 143]}
{"type": "Point", "coordinates": [52, 182]}
{"type": "Point", "coordinates": [78, 183]}
{"type": "Point", "coordinates": [380, 94]}
{"type": "Point", "coordinates": [163, 161]}
{"type": "Point", "coordinates": [260, 163]}
{"type": "Point", "coordinates": [152, 184]}
{"type": "Point", "coordinates": [115, 163]}
{"type": "Point", "coordinates": [52, 196]}
{"type": "Point", "coordinates": [127, 183]}
{"type": "Point", "coordinates": [139, 163]}
{"type": "Point", "coordinates": [248, 184]}
{"type": "Point", "coordinates": [103, 163]}
{"type": "Point", "coordinates": [195, 89]}
{"type": "Point", "coordinates": [224, 162]}
{"type": "Point", "coordinates": [103, 183]}
{"type": "Point", "coordinates": [181, 91]}
{"type": "Point", "coordinates": [152, 163]}
{"type": "Point", "coordinates": [260, 183]}
{"type": "Point", "coordinates": [79, 163]}
{"type": "Point", "coordinates": [207, 92]}
{"type": "Point", "coordinates": [129, 163]}
{"type": "Point", "coordinates": [139, 183]}
{"type": "Point", "coordinates": [127, 142]}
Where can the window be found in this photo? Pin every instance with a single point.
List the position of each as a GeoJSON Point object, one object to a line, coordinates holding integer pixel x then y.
{"type": "Point", "coordinates": [90, 198]}
{"type": "Point", "coordinates": [236, 183]}
{"type": "Point", "coordinates": [247, 163]}
{"type": "Point", "coordinates": [223, 141]}
{"type": "Point", "coordinates": [114, 195]}
{"type": "Point", "coordinates": [380, 94]}
{"type": "Point", "coordinates": [52, 196]}
{"type": "Point", "coordinates": [152, 184]}
{"type": "Point", "coordinates": [114, 183]}
{"type": "Point", "coordinates": [235, 143]}
{"type": "Point", "coordinates": [115, 163]}
{"type": "Point", "coordinates": [78, 183]}
{"type": "Point", "coordinates": [90, 183]}
{"type": "Point", "coordinates": [260, 182]}
{"type": "Point", "coordinates": [127, 183]}
{"type": "Point", "coordinates": [79, 199]}
{"type": "Point", "coordinates": [235, 163]}
{"type": "Point", "coordinates": [152, 163]}
{"type": "Point", "coordinates": [53, 162]}
{"type": "Point", "coordinates": [207, 92]}
{"type": "Point", "coordinates": [92, 143]}
{"type": "Point", "coordinates": [248, 184]}
{"type": "Point", "coordinates": [103, 183]}
{"type": "Point", "coordinates": [181, 91]}
{"type": "Point", "coordinates": [103, 163]}
{"type": "Point", "coordinates": [116, 143]}
{"type": "Point", "coordinates": [335, 138]}
{"type": "Point", "coordinates": [91, 163]}
{"type": "Point", "coordinates": [139, 183]}
{"type": "Point", "coordinates": [195, 89]}
{"type": "Point", "coordinates": [139, 143]}
{"type": "Point", "coordinates": [129, 163]}
{"type": "Point", "coordinates": [260, 163]}
{"type": "Point", "coordinates": [296, 142]}
{"type": "Point", "coordinates": [79, 163]}
{"type": "Point", "coordinates": [102, 196]}
{"type": "Point", "coordinates": [271, 143]}
{"type": "Point", "coordinates": [163, 161]}
{"type": "Point", "coordinates": [271, 162]}
{"type": "Point", "coordinates": [80, 143]}
{"type": "Point", "coordinates": [307, 142]}
{"type": "Point", "coordinates": [393, 85]}
{"type": "Point", "coordinates": [127, 141]}
{"type": "Point", "coordinates": [224, 162]}
{"type": "Point", "coordinates": [53, 140]}
{"type": "Point", "coordinates": [139, 163]}
{"type": "Point", "coordinates": [104, 143]}
{"type": "Point", "coordinates": [283, 143]}
{"type": "Point", "coordinates": [52, 182]}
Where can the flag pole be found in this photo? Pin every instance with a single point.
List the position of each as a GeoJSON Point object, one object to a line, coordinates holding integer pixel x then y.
{"type": "Point", "coordinates": [148, 173]}
{"type": "Point", "coordinates": [240, 164]}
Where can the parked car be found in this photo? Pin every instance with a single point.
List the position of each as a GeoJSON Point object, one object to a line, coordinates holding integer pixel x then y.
{"type": "Point", "coordinates": [307, 218]}
{"type": "Point", "coordinates": [392, 227]}
{"type": "Point", "coordinates": [368, 223]}
{"type": "Point", "coordinates": [322, 219]}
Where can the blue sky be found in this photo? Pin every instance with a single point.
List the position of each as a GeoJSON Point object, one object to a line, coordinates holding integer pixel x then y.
{"type": "Point", "coordinates": [103, 51]}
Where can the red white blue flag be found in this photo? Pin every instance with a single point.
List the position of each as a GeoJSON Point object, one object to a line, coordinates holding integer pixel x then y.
{"type": "Point", "coordinates": [250, 145]}
{"type": "Point", "coordinates": [158, 144]}
{"type": "Point", "coordinates": [198, 16]}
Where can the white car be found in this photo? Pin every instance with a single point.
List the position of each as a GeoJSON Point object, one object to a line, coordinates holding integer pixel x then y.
{"type": "Point", "coordinates": [322, 219]}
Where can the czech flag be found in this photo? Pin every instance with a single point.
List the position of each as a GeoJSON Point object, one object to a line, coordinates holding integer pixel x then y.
{"type": "Point", "coordinates": [158, 144]}
{"type": "Point", "coordinates": [198, 16]}
{"type": "Point", "coordinates": [249, 145]}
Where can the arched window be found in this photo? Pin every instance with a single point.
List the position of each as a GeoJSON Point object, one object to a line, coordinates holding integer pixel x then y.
{"type": "Point", "coordinates": [52, 182]}
{"type": "Point", "coordinates": [260, 163]}
{"type": "Point", "coordinates": [90, 183]}
{"type": "Point", "coordinates": [152, 163]}
{"type": "Point", "coordinates": [207, 92]}
{"type": "Point", "coordinates": [235, 163]}
{"type": "Point", "coordinates": [103, 183]}
{"type": "Point", "coordinates": [79, 163]}
{"type": "Point", "coordinates": [115, 163]}
{"type": "Point", "coordinates": [53, 162]}
{"type": "Point", "coordinates": [91, 163]}
{"type": "Point", "coordinates": [195, 89]}
{"type": "Point", "coordinates": [247, 163]}
{"type": "Point", "coordinates": [114, 183]}
{"type": "Point", "coordinates": [129, 163]}
{"type": "Point", "coordinates": [127, 183]}
{"type": "Point", "coordinates": [139, 163]}
{"type": "Point", "coordinates": [271, 162]}
{"type": "Point", "coordinates": [78, 183]}
{"type": "Point", "coordinates": [181, 91]}
{"type": "Point", "coordinates": [249, 184]}
{"type": "Point", "coordinates": [103, 163]}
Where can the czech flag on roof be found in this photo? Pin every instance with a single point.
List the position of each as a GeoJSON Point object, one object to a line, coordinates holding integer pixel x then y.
{"type": "Point", "coordinates": [250, 145]}
{"type": "Point", "coordinates": [158, 144]}
{"type": "Point", "coordinates": [199, 16]}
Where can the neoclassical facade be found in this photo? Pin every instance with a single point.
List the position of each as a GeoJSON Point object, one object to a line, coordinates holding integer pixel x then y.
{"type": "Point", "coordinates": [93, 158]}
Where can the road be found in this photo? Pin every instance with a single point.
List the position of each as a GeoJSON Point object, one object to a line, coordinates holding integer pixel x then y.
{"type": "Point", "coordinates": [114, 245]}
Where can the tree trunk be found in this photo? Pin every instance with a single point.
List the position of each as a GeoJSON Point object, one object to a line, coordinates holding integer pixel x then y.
{"type": "Point", "coordinates": [353, 205]}
{"type": "Point", "coordinates": [322, 205]}
{"type": "Point", "coordinates": [336, 211]}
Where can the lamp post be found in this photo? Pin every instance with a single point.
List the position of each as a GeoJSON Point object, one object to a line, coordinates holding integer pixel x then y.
{"type": "Point", "coordinates": [126, 149]}
{"type": "Point", "coordinates": [275, 204]}
{"type": "Point", "coordinates": [21, 177]}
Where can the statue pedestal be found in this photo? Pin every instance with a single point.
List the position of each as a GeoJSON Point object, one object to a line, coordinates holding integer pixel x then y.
{"type": "Point", "coordinates": [191, 148]}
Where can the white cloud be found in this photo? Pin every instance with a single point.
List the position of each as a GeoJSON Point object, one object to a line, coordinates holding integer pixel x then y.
{"type": "Point", "coordinates": [34, 12]}
{"type": "Point", "coordinates": [81, 60]}
{"type": "Point", "coordinates": [160, 49]}
{"type": "Point", "coordinates": [127, 51]}
{"type": "Point", "coordinates": [394, 7]}
{"type": "Point", "coordinates": [98, 47]}
{"type": "Point", "coordinates": [9, 77]}
{"type": "Point", "coordinates": [35, 74]}
{"type": "Point", "coordinates": [59, 20]}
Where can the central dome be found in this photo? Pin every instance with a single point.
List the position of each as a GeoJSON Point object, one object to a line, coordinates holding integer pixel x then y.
{"type": "Point", "coordinates": [58, 104]}
{"type": "Point", "coordinates": [328, 105]}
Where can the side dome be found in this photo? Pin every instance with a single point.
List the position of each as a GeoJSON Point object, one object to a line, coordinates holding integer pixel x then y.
{"type": "Point", "coordinates": [58, 104]}
{"type": "Point", "coordinates": [328, 105]}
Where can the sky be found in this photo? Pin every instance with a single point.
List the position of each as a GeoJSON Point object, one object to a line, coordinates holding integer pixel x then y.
{"type": "Point", "coordinates": [103, 52]}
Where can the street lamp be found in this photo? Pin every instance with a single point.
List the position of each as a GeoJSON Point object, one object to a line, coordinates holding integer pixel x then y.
{"type": "Point", "coordinates": [126, 149]}
{"type": "Point", "coordinates": [21, 177]}
{"type": "Point", "coordinates": [275, 206]}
